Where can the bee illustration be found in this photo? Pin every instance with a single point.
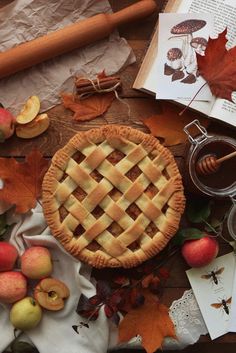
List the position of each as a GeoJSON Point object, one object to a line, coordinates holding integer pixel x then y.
{"type": "Point", "coordinates": [213, 275]}
{"type": "Point", "coordinates": [223, 304]}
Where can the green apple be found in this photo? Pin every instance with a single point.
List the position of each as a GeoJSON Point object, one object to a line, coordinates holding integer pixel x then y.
{"type": "Point", "coordinates": [25, 314]}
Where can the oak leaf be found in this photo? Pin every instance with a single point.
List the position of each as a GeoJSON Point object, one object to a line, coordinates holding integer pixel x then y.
{"type": "Point", "coordinates": [151, 321]}
{"type": "Point", "coordinates": [89, 108]}
{"type": "Point", "coordinates": [218, 67]}
{"type": "Point", "coordinates": [169, 124]}
{"type": "Point", "coordinates": [22, 181]}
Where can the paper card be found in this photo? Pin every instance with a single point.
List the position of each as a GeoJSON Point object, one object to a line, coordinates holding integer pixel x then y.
{"type": "Point", "coordinates": [180, 37]}
{"type": "Point", "coordinates": [232, 320]}
{"type": "Point", "coordinates": [212, 287]}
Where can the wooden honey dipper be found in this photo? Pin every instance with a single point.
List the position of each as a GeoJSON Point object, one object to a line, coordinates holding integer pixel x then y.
{"type": "Point", "coordinates": [210, 164]}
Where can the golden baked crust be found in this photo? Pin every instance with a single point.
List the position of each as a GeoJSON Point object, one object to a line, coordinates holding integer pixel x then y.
{"type": "Point", "coordinates": [113, 196]}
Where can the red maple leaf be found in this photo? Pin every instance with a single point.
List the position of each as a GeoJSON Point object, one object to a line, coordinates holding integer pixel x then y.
{"type": "Point", "coordinates": [218, 67]}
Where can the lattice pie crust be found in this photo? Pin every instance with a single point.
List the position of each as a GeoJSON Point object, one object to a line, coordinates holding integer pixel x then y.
{"type": "Point", "coordinates": [113, 196]}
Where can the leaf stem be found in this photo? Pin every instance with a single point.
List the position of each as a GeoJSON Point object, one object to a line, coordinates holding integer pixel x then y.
{"type": "Point", "coordinates": [187, 106]}
{"type": "Point", "coordinates": [210, 226]}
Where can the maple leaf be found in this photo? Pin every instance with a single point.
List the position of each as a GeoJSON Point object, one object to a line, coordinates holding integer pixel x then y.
{"type": "Point", "coordinates": [218, 67]}
{"type": "Point", "coordinates": [151, 321]}
{"type": "Point", "coordinates": [89, 108]}
{"type": "Point", "coordinates": [169, 125]}
{"type": "Point", "coordinates": [22, 181]}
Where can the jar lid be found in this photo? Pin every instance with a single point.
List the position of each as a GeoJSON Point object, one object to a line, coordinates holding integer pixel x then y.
{"type": "Point", "coordinates": [231, 221]}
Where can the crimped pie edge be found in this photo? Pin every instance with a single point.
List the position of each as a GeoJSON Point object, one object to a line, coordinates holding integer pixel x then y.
{"type": "Point", "coordinates": [100, 259]}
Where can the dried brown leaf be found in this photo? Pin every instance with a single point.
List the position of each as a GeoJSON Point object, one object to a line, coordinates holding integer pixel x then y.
{"type": "Point", "coordinates": [89, 108]}
{"type": "Point", "coordinates": [22, 181]}
{"type": "Point", "coordinates": [169, 124]}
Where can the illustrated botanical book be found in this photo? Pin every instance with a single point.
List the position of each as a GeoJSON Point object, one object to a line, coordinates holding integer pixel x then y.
{"type": "Point", "coordinates": [224, 12]}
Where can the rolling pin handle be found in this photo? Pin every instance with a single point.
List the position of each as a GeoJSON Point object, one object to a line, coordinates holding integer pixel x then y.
{"type": "Point", "coordinates": [133, 12]}
{"type": "Point", "coordinates": [69, 38]}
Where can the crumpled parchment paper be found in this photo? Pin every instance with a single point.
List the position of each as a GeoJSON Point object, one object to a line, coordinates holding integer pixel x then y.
{"type": "Point", "coordinates": [23, 20]}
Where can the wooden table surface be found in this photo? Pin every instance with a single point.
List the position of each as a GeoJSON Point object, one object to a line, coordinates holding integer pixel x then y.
{"type": "Point", "coordinates": [141, 105]}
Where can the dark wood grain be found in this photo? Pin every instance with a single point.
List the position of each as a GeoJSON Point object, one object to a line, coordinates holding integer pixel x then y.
{"type": "Point", "coordinates": [63, 127]}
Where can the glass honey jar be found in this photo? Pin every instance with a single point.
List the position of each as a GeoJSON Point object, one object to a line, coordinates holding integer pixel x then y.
{"type": "Point", "coordinates": [221, 183]}
{"type": "Point", "coordinates": [231, 220]}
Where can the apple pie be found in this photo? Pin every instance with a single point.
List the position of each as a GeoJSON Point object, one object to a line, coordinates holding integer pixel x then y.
{"type": "Point", "coordinates": [113, 196]}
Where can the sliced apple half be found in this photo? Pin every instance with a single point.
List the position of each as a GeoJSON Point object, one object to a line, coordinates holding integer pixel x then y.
{"type": "Point", "coordinates": [29, 111]}
{"type": "Point", "coordinates": [50, 293]}
{"type": "Point", "coordinates": [34, 128]}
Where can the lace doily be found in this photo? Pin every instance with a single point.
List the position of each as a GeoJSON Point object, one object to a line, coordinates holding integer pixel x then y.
{"type": "Point", "coordinates": [188, 321]}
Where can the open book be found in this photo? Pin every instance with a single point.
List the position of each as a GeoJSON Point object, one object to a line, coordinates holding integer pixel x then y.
{"type": "Point", "coordinates": [224, 15]}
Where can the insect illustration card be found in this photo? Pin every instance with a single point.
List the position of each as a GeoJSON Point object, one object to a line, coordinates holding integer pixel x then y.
{"type": "Point", "coordinates": [180, 38]}
{"type": "Point", "coordinates": [232, 323]}
{"type": "Point", "coordinates": [212, 287]}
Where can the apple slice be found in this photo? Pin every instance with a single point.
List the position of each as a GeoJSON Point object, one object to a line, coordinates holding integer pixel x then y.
{"type": "Point", "coordinates": [50, 294]}
{"type": "Point", "coordinates": [34, 128]}
{"type": "Point", "coordinates": [29, 111]}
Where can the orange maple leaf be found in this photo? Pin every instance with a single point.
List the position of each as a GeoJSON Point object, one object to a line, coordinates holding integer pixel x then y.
{"type": "Point", "coordinates": [169, 124]}
{"type": "Point", "coordinates": [89, 108]}
{"type": "Point", "coordinates": [151, 321]}
{"type": "Point", "coordinates": [218, 67]}
{"type": "Point", "coordinates": [22, 181]}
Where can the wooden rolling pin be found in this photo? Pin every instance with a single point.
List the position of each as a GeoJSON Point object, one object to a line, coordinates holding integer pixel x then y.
{"type": "Point", "coordinates": [71, 37]}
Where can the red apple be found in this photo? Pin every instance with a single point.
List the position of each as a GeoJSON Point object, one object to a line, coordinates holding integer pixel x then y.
{"type": "Point", "coordinates": [7, 124]}
{"type": "Point", "coordinates": [36, 262]}
{"type": "Point", "coordinates": [8, 256]}
{"type": "Point", "coordinates": [200, 252]}
{"type": "Point", "coordinates": [13, 286]}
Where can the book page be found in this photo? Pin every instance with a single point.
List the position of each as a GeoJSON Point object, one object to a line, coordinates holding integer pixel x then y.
{"type": "Point", "coordinates": [176, 62]}
{"type": "Point", "coordinates": [224, 110]}
{"type": "Point", "coordinates": [224, 16]}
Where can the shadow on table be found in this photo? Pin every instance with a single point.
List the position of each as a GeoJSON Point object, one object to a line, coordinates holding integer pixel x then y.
{"type": "Point", "coordinates": [197, 348]}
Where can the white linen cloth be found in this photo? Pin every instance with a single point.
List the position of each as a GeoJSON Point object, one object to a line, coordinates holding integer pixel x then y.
{"type": "Point", "coordinates": [55, 333]}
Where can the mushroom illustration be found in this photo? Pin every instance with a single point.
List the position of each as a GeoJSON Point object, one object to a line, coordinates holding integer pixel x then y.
{"type": "Point", "coordinates": [175, 58]}
{"type": "Point", "coordinates": [185, 30]}
{"type": "Point", "coordinates": [199, 44]}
